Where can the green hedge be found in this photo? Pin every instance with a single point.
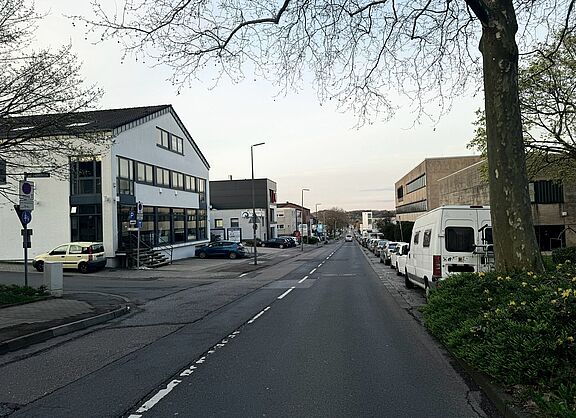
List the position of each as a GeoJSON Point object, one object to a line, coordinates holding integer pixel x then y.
{"type": "Point", "coordinates": [310, 240]}
{"type": "Point", "coordinates": [10, 294]}
{"type": "Point", "coordinates": [562, 255]}
{"type": "Point", "coordinates": [519, 329]}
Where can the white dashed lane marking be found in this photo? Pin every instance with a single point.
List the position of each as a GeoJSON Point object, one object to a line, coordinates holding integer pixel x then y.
{"type": "Point", "coordinates": [301, 280]}
{"type": "Point", "coordinates": [286, 292]}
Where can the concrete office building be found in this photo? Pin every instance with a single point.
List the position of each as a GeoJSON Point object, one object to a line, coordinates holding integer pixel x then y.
{"type": "Point", "coordinates": [150, 157]}
{"type": "Point", "coordinates": [418, 191]}
{"type": "Point", "coordinates": [553, 202]}
{"type": "Point", "coordinates": [290, 219]}
{"type": "Point", "coordinates": [231, 209]}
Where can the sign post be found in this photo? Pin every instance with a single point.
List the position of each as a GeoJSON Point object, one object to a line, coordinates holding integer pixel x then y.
{"type": "Point", "coordinates": [139, 218]}
{"type": "Point", "coordinates": [25, 208]}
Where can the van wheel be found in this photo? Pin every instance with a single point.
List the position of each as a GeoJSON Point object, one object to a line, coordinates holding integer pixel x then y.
{"type": "Point", "coordinates": [83, 268]}
{"type": "Point", "coordinates": [407, 282]}
{"type": "Point", "coordinates": [39, 266]}
{"type": "Point", "coordinates": [427, 288]}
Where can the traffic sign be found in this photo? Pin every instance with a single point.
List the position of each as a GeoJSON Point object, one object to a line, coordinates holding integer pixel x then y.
{"type": "Point", "coordinates": [26, 217]}
{"type": "Point", "coordinates": [132, 216]}
{"type": "Point", "coordinates": [139, 207]}
{"type": "Point", "coordinates": [26, 195]}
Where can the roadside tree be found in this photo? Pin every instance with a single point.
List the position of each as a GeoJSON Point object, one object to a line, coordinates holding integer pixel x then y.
{"type": "Point", "coordinates": [361, 53]}
{"type": "Point", "coordinates": [37, 81]}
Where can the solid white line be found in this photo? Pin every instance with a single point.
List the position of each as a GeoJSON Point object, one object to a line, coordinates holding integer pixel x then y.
{"type": "Point", "coordinates": [158, 397]}
{"type": "Point", "coordinates": [243, 274]}
{"type": "Point", "coordinates": [312, 272]}
{"type": "Point", "coordinates": [134, 416]}
{"type": "Point", "coordinates": [286, 292]}
{"type": "Point", "coordinates": [300, 281]}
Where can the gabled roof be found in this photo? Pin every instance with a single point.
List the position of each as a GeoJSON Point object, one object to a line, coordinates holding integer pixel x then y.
{"type": "Point", "coordinates": [89, 121]}
{"type": "Point", "coordinates": [92, 121]}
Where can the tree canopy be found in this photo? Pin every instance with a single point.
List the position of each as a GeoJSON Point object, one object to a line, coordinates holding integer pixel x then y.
{"type": "Point", "coordinates": [37, 81]}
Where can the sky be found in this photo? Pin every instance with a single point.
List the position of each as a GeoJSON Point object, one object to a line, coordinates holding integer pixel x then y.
{"type": "Point", "coordinates": [306, 145]}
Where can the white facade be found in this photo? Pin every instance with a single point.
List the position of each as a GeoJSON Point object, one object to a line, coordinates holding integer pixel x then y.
{"type": "Point", "coordinates": [287, 220]}
{"type": "Point", "coordinates": [367, 221]}
{"type": "Point", "coordinates": [136, 141]}
{"type": "Point", "coordinates": [226, 220]}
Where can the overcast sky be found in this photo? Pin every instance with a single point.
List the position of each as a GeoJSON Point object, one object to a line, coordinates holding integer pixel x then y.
{"type": "Point", "coordinates": [307, 145]}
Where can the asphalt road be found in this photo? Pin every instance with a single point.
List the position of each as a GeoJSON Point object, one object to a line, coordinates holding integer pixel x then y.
{"type": "Point", "coordinates": [315, 336]}
{"type": "Point", "coordinates": [339, 347]}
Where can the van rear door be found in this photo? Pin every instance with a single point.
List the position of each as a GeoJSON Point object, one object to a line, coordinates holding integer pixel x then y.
{"type": "Point", "coordinates": [484, 241]}
{"type": "Point", "coordinates": [459, 228]}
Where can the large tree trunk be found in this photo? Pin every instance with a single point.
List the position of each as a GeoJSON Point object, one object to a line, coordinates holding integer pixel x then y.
{"type": "Point", "coordinates": [515, 244]}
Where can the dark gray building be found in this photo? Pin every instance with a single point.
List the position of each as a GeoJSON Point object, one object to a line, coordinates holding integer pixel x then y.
{"type": "Point", "coordinates": [231, 208]}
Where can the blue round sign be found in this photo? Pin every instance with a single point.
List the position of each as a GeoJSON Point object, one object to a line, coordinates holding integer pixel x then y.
{"type": "Point", "coordinates": [26, 188]}
{"type": "Point", "coordinates": [26, 217]}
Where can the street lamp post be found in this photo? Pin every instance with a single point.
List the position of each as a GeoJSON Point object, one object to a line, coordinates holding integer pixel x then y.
{"type": "Point", "coordinates": [254, 224]}
{"type": "Point", "coordinates": [317, 219]}
{"type": "Point", "coordinates": [302, 211]}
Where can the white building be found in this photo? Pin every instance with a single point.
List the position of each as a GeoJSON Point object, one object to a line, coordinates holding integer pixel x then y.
{"type": "Point", "coordinates": [367, 223]}
{"type": "Point", "coordinates": [151, 158]}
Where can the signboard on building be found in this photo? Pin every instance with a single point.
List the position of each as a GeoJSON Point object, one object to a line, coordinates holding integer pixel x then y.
{"type": "Point", "coordinates": [217, 234]}
{"type": "Point", "coordinates": [235, 234]}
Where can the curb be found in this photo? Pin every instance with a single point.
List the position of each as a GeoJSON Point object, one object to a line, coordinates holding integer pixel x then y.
{"type": "Point", "coordinates": [44, 335]}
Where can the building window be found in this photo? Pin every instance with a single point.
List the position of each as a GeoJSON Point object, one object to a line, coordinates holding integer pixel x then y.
{"type": "Point", "coordinates": [416, 184]}
{"type": "Point", "coordinates": [125, 176]}
{"type": "Point", "coordinates": [177, 180]}
{"type": "Point", "coordinates": [234, 223]}
{"type": "Point", "coordinates": [420, 206]}
{"type": "Point", "coordinates": [272, 196]}
{"type": "Point", "coordinates": [162, 177]}
{"type": "Point", "coordinates": [179, 220]}
{"type": "Point", "coordinates": [163, 139]}
{"type": "Point", "coordinates": [218, 223]}
{"type": "Point", "coordinates": [190, 183]}
{"type": "Point", "coordinates": [191, 226]}
{"type": "Point", "coordinates": [86, 223]}
{"type": "Point", "coordinates": [170, 141]}
{"type": "Point", "coordinates": [201, 183]}
{"type": "Point", "coordinates": [546, 191]}
{"type": "Point", "coordinates": [145, 173]}
{"type": "Point", "coordinates": [2, 171]}
{"type": "Point", "coordinates": [400, 193]}
{"type": "Point", "coordinates": [202, 224]}
{"type": "Point", "coordinates": [85, 175]}
{"type": "Point", "coordinates": [164, 227]}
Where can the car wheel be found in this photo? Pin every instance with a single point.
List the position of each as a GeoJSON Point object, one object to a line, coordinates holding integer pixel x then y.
{"type": "Point", "coordinates": [202, 254]}
{"type": "Point", "coordinates": [281, 246]}
{"type": "Point", "coordinates": [39, 266]}
{"type": "Point", "coordinates": [262, 245]}
{"type": "Point", "coordinates": [83, 268]}
{"type": "Point", "coordinates": [407, 282]}
{"type": "Point", "coordinates": [426, 288]}
{"type": "Point", "coordinates": [232, 255]}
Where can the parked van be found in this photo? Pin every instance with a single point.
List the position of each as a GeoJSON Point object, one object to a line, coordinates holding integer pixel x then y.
{"type": "Point", "coordinates": [446, 240]}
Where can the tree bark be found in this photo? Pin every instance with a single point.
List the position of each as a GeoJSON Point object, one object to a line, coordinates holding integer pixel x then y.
{"type": "Point", "coordinates": [515, 245]}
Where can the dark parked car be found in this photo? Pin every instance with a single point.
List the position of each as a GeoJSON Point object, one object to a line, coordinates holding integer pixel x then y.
{"type": "Point", "coordinates": [222, 249]}
{"type": "Point", "coordinates": [278, 243]}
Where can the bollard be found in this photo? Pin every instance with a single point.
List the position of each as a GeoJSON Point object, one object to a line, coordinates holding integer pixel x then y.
{"type": "Point", "coordinates": [54, 278]}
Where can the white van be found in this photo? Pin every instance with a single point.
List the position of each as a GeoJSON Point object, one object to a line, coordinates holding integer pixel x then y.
{"type": "Point", "coordinates": [446, 240]}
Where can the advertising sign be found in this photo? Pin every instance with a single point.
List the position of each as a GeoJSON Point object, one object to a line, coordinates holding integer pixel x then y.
{"type": "Point", "coordinates": [235, 234]}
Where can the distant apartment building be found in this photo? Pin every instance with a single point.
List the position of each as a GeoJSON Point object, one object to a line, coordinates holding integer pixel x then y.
{"type": "Point", "coordinates": [290, 218]}
{"type": "Point", "coordinates": [231, 209]}
{"type": "Point", "coordinates": [367, 223]}
{"type": "Point", "coordinates": [418, 191]}
{"type": "Point", "coordinates": [553, 202]}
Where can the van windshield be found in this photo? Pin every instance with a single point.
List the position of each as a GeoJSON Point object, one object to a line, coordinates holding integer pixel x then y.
{"type": "Point", "coordinates": [459, 239]}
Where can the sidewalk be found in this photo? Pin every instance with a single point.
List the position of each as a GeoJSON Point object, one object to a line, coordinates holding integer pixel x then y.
{"type": "Point", "coordinates": [31, 323]}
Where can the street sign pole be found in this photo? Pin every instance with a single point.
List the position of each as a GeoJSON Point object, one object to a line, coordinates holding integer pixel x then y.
{"type": "Point", "coordinates": [138, 250]}
{"type": "Point", "coordinates": [25, 254]}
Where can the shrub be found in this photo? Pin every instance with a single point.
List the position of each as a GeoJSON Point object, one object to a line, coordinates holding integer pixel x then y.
{"type": "Point", "coordinates": [10, 294]}
{"type": "Point", "coordinates": [518, 328]}
{"type": "Point", "coordinates": [310, 240]}
{"type": "Point", "coordinates": [561, 255]}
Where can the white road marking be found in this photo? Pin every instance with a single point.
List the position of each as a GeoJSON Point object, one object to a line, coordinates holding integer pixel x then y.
{"type": "Point", "coordinates": [312, 271]}
{"type": "Point", "coordinates": [320, 265]}
{"type": "Point", "coordinates": [134, 416]}
{"type": "Point", "coordinates": [156, 398]}
{"type": "Point", "coordinates": [286, 292]}
{"type": "Point", "coordinates": [243, 274]}
{"type": "Point", "coordinates": [300, 281]}
{"type": "Point", "coordinates": [259, 315]}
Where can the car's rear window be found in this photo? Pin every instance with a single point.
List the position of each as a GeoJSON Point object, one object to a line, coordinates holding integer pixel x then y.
{"type": "Point", "coordinates": [96, 248]}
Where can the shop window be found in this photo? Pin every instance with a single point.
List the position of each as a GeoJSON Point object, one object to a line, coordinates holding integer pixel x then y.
{"type": "Point", "coordinates": [179, 220]}
{"type": "Point", "coordinates": [191, 225]}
